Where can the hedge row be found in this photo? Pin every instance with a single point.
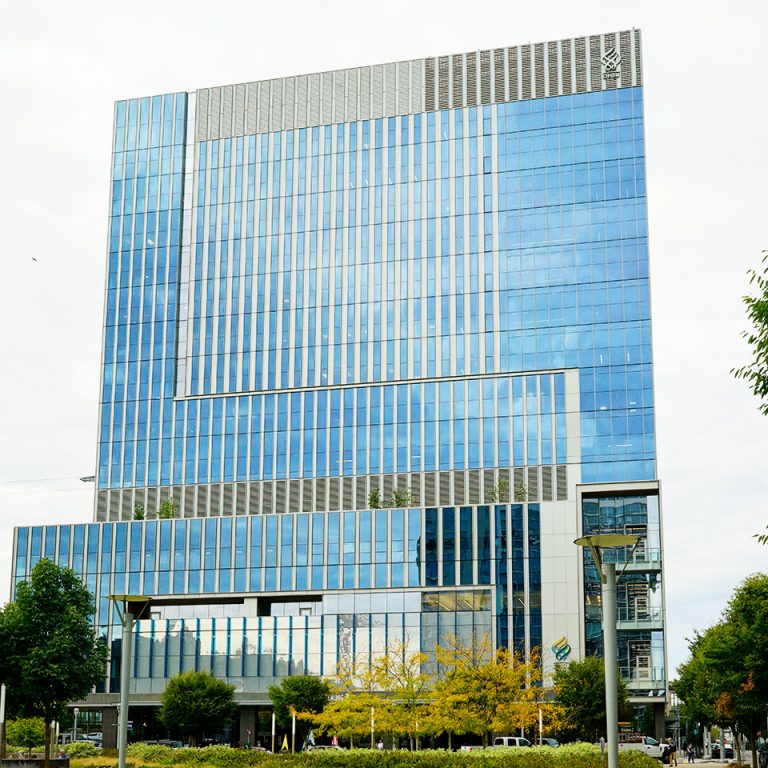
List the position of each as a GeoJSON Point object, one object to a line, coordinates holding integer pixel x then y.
{"type": "Point", "coordinates": [570, 756]}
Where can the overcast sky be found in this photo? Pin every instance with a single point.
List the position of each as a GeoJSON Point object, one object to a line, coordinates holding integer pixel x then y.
{"type": "Point", "coordinates": [62, 65]}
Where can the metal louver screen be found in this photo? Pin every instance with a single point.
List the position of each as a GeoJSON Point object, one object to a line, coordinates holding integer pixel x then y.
{"type": "Point", "coordinates": [552, 69]}
{"type": "Point", "coordinates": [429, 84]}
{"type": "Point", "coordinates": [626, 58]}
{"type": "Point", "coordinates": [489, 482]}
{"type": "Point", "coordinates": [546, 483]}
{"type": "Point", "coordinates": [307, 504]}
{"type": "Point", "coordinates": [459, 488]}
{"type": "Point", "coordinates": [406, 87]}
{"type": "Point", "coordinates": [499, 86]}
{"type": "Point", "coordinates": [241, 503]}
{"type": "Point", "coordinates": [565, 53]}
{"type": "Point", "coordinates": [267, 506]}
{"type": "Point", "coordinates": [227, 500]}
{"type": "Point", "coordinates": [429, 490]}
{"type": "Point", "coordinates": [485, 77]}
{"type": "Point", "coordinates": [473, 486]}
{"type": "Point", "coordinates": [471, 79]}
{"type": "Point", "coordinates": [525, 74]}
{"type": "Point", "coordinates": [538, 61]}
{"type": "Point", "coordinates": [562, 482]}
{"type": "Point", "coordinates": [581, 65]}
{"type": "Point", "coordinates": [533, 484]}
{"type": "Point", "coordinates": [514, 75]}
{"type": "Point", "coordinates": [442, 82]}
{"type": "Point", "coordinates": [594, 62]}
{"type": "Point", "coordinates": [214, 494]}
{"type": "Point", "coordinates": [457, 86]}
{"type": "Point", "coordinates": [279, 500]}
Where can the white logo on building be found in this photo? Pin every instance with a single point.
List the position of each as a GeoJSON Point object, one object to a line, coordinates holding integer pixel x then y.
{"type": "Point", "coordinates": [611, 63]}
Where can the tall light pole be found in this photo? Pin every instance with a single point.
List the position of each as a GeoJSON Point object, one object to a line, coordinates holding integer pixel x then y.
{"type": "Point", "coordinates": [2, 721]}
{"type": "Point", "coordinates": [75, 712]}
{"type": "Point", "coordinates": [132, 608]}
{"type": "Point", "coordinates": [607, 571]}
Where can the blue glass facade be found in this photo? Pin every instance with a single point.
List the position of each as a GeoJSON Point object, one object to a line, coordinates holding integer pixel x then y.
{"type": "Point", "coordinates": [465, 243]}
{"type": "Point", "coordinates": [422, 287]}
{"type": "Point", "coordinates": [365, 579]}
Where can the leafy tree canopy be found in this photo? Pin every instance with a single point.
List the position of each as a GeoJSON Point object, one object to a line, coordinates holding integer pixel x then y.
{"type": "Point", "coordinates": [27, 732]}
{"type": "Point", "coordinates": [197, 703]}
{"type": "Point", "coordinates": [725, 680]}
{"type": "Point", "coordinates": [756, 373]}
{"type": "Point", "coordinates": [49, 652]}
{"type": "Point", "coordinates": [299, 693]}
{"type": "Point", "coordinates": [580, 691]}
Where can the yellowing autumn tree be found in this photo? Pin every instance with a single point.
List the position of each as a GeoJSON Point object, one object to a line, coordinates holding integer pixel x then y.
{"type": "Point", "coordinates": [494, 690]}
{"type": "Point", "coordinates": [400, 672]}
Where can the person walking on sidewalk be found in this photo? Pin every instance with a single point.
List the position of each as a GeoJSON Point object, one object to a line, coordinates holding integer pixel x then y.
{"type": "Point", "coordinates": [691, 752]}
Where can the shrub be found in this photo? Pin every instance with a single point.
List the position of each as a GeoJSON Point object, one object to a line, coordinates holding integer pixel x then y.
{"type": "Point", "coordinates": [80, 749]}
{"type": "Point", "coordinates": [568, 756]}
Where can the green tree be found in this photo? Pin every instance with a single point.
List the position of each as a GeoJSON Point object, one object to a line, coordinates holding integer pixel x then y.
{"type": "Point", "coordinates": [756, 373]}
{"type": "Point", "coordinates": [303, 694]}
{"type": "Point", "coordinates": [580, 691]}
{"type": "Point", "coordinates": [197, 703]}
{"type": "Point", "coordinates": [725, 680]}
{"type": "Point", "coordinates": [27, 732]}
{"type": "Point", "coordinates": [49, 651]}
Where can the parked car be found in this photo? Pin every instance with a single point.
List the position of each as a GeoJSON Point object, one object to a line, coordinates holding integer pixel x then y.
{"type": "Point", "coordinates": [313, 747]}
{"type": "Point", "coordinates": [171, 743]}
{"type": "Point", "coordinates": [545, 742]}
{"type": "Point", "coordinates": [511, 741]}
{"type": "Point", "coordinates": [716, 750]}
{"type": "Point", "coordinates": [89, 740]}
{"type": "Point", "coordinates": [471, 747]}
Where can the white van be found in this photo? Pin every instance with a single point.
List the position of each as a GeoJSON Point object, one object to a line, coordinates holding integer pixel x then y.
{"type": "Point", "coordinates": [511, 741]}
{"type": "Point", "coordinates": [640, 743]}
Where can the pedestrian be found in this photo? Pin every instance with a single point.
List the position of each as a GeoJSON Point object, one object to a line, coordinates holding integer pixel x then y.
{"type": "Point", "coordinates": [673, 754]}
{"type": "Point", "coordinates": [691, 752]}
{"type": "Point", "coordinates": [380, 743]}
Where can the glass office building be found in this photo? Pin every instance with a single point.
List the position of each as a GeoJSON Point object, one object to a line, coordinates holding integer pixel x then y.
{"type": "Point", "coordinates": [381, 339]}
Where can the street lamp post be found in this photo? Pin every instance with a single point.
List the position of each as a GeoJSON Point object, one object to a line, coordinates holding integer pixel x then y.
{"type": "Point", "coordinates": [75, 712]}
{"type": "Point", "coordinates": [132, 608]}
{"type": "Point", "coordinates": [607, 571]}
{"type": "Point", "coordinates": [2, 721]}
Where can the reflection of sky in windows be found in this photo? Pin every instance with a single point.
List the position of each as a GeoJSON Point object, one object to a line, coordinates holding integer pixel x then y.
{"type": "Point", "coordinates": [238, 554]}
{"type": "Point", "coordinates": [375, 270]}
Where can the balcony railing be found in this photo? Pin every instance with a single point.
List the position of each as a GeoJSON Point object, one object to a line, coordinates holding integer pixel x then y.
{"type": "Point", "coordinates": [636, 614]}
{"type": "Point", "coordinates": [643, 677]}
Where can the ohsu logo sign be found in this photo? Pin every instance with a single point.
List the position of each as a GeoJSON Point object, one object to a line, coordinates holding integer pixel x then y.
{"type": "Point", "coordinates": [611, 62]}
{"type": "Point", "coordinates": [561, 649]}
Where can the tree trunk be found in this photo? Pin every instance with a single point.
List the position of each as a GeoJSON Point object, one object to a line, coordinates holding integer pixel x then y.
{"type": "Point", "coordinates": [47, 758]}
{"type": "Point", "coordinates": [450, 744]}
